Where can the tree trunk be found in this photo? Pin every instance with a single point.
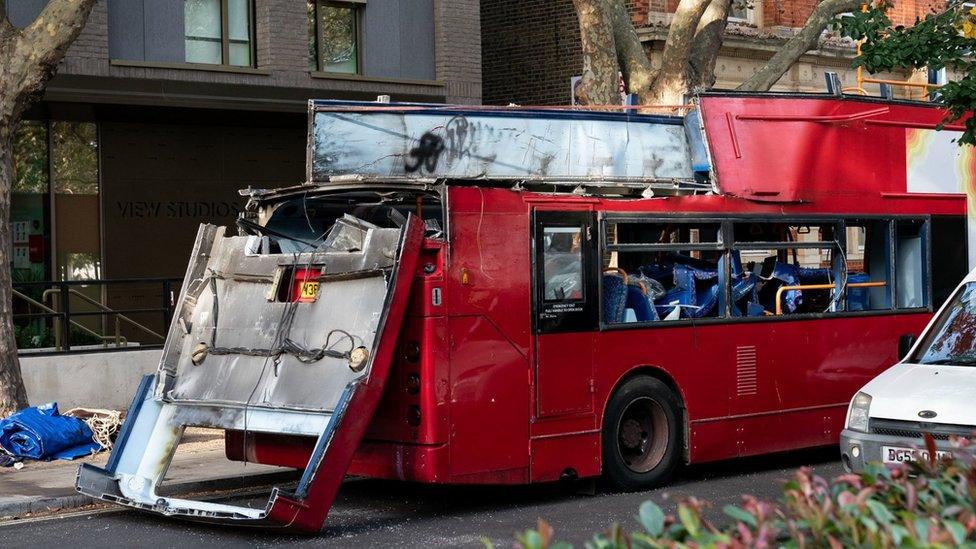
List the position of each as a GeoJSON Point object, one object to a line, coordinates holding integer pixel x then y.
{"type": "Point", "coordinates": [600, 80]}
{"type": "Point", "coordinates": [13, 395]}
{"type": "Point", "coordinates": [708, 41]}
{"type": "Point", "coordinates": [673, 81]}
{"type": "Point", "coordinates": [634, 64]}
{"type": "Point", "coordinates": [803, 41]}
{"type": "Point", "coordinates": [29, 58]}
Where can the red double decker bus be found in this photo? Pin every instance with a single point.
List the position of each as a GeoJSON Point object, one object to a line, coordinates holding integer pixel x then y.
{"type": "Point", "coordinates": [589, 294]}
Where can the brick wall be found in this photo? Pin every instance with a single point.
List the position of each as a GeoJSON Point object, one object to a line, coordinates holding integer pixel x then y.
{"type": "Point", "coordinates": [531, 47]}
{"type": "Point", "coordinates": [530, 50]}
{"type": "Point", "coordinates": [457, 49]}
{"type": "Point", "coordinates": [281, 38]}
{"type": "Point", "coordinates": [90, 50]}
{"type": "Point", "coordinates": [793, 13]}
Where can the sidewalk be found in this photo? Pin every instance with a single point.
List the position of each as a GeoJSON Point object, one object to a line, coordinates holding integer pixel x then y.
{"type": "Point", "coordinates": [199, 466]}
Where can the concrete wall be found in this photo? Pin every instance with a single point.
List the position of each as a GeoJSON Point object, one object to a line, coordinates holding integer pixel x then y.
{"type": "Point", "coordinates": [91, 380]}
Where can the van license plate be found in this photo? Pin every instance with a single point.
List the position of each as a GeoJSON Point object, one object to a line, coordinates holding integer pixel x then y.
{"type": "Point", "coordinates": [893, 454]}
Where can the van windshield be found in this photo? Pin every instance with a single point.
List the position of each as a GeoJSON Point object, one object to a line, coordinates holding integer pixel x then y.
{"type": "Point", "coordinates": [952, 339]}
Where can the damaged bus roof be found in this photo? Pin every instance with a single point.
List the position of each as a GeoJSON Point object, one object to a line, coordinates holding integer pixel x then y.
{"type": "Point", "coordinates": [295, 344]}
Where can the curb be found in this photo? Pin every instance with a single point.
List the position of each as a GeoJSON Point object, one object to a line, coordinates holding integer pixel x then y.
{"type": "Point", "coordinates": [43, 504]}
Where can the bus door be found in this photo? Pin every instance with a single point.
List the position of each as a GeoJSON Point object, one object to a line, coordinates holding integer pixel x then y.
{"type": "Point", "coordinates": [565, 309]}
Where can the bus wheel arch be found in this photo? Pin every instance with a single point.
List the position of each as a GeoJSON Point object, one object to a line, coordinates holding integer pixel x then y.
{"type": "Point", "coordinates": [643, 430]}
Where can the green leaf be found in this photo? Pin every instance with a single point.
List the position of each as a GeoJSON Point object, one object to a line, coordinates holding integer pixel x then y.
{"type": "Point", "coordinates": [921, 529]}
{"type": "Point", "coordinates": [880, 512]}
{"type": "Point", "coordinates": [530, 539]}
{"type": "Point", "coordinates": [957, 530]}
{"type": "Point", "coordinates": [739, 515]}
{"type": "Point", "coordinates": [688, 520]}
{"type": "Point", "coordinates": [869, 524]}
{"type": "Point", "coordinates": [898, 533]}
{"type": "Point", "coordinates": [639, 540]}
{"type": "Point", "coordinates": [651, 518]}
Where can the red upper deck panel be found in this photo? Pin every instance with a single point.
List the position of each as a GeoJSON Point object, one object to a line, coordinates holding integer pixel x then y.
{"type": "Point", "coordinates": [780, 148]}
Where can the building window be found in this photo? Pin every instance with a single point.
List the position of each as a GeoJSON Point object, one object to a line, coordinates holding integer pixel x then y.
{"type": "Point", "coordinates": [219, 32]}
{"type": "Point", "coordinates": [55, 202]}
{"type": "Point", "coordinates": [742, 11]}
{"type": "Point", "coordinates": [333, 36]}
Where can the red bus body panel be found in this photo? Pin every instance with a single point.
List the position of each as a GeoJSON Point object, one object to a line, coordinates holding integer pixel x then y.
{"type": "Point", "coordinates": [493, 403]}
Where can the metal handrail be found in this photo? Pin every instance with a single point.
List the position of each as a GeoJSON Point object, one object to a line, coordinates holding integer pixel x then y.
{"type": "Point", "coordinates": [119, 339]}
{"type": "Point", "coordinates": [106, 309]}
{"type": "Point", "coordinates": [782, 289]}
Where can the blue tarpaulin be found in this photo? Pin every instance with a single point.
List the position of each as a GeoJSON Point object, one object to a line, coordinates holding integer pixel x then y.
{"type": "Point", "coordinates": [41, 433]}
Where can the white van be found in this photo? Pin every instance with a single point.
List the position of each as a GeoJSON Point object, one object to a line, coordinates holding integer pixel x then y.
{"type": "Point", "coordinates": [932, 390]}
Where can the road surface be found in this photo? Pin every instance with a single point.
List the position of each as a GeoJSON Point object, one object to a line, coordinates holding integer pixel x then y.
{"type": "Point", "coordinates": [392, 514]}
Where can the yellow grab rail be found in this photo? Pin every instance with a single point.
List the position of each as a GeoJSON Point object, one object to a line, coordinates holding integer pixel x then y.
{"type": "Point", "coordinates": [783, 289]}
{"type": "Point", "coordinates": [861, 80]}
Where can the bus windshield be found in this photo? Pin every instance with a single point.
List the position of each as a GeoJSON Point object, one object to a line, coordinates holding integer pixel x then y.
{"type": "Point", "coordinates": [952, 339]}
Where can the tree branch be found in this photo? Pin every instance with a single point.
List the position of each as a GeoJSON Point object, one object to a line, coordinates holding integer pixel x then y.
{"type": "Point", "coordinates": [672, 82]}
{"type": "Point", "coordinates": [803, 41]}
{"type": "Point", "coordinates": [599, 83]}
{"type": "Point", "coordinates": [708, 41]}
{"type": "Point", "coordinates": [681, 35]}
{"type": "Point", "coordinates": [42, 44]}
{"type": "Point", "coordinates": [4, 19]}
{"type": "Point", "coordinates": [635, 65]}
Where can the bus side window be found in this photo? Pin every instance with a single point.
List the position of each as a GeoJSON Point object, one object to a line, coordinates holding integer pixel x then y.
{"type": "Point", "coordinates": [662, 271]}
{"type": "Point", "coordinates": [563, 264]}
{"type": "Point", "coordinates": [910, 264]}
{"type": "Point", "coordinates": [782, 268]}
{"type": "Point", "coordinates": [868, 255]}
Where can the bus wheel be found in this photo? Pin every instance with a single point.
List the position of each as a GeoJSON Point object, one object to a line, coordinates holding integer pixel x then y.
{"type": "Point", "coordinates": [641, 435]}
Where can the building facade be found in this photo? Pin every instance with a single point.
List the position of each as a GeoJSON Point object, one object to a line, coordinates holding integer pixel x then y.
{"type": "Point", "coordinates": [163, 109]}
{"type": "Point", "coordinates": [532, 47]}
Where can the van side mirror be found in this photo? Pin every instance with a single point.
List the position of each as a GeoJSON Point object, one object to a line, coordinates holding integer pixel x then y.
{"type": "Point", "coordinates": [905, 344]}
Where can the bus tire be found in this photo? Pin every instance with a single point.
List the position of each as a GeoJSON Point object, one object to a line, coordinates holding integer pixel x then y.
{"type": "Point", "coordinates": [642, 432]}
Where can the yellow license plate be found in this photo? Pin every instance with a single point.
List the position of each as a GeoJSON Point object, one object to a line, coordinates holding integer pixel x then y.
{"type": "Point", "coordinates": [310, 291]}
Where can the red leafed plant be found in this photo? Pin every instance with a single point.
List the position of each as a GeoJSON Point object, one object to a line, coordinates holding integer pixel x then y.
{"type": "Point", "coordinates": [925, 504]}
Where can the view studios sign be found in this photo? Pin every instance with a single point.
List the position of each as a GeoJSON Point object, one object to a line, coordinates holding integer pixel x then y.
{"type": "Point", "coordinates": [177, 209]}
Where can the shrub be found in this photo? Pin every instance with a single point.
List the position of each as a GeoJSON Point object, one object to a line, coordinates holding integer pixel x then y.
{"type": "Point", "coordinates": [928, 504]}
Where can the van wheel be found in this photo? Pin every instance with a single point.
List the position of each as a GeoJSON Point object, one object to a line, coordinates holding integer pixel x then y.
{"type": "Point", "coordinates": [642, 435]}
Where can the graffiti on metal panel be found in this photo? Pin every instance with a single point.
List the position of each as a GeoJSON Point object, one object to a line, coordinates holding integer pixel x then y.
{"type": "Point", "coordinates": [425, 154]}
{"type": "Point", "coordinates": [460, 136]}
{"type": "Point", "coordinates": [457, 144]}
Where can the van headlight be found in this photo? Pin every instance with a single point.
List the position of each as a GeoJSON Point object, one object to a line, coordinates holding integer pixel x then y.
{"type": "Point", "coordinates": [857, 419]}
